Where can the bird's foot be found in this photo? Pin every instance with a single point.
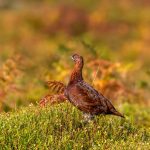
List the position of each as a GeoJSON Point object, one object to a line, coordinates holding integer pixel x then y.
{"type": "Point", "coordinates": [87, 118]}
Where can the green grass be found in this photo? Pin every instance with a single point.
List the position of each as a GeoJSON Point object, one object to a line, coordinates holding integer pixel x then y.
{"type": "Point", "coordinates": [61, 127]}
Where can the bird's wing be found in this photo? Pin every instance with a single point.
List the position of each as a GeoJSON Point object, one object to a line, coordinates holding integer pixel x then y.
{"type": "Point", "coordinates": [97, 98]}
{"type": "Point", "coordinates": [92, 94]}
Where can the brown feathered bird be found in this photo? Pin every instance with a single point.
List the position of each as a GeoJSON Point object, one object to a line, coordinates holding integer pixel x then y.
{"type": "Point", "coordinates": [84, 96]}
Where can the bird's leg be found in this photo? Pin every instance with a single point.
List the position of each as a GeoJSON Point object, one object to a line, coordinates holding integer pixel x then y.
{"type": "Point", "coordinates": [87, 117]}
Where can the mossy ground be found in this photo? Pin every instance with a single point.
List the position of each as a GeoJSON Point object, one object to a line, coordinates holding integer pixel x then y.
{"type": "Point", "coordinates": [62, 127]}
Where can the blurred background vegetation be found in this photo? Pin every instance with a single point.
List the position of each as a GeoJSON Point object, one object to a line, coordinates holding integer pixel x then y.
{"type": "Point", "coordinates": [37, 38]}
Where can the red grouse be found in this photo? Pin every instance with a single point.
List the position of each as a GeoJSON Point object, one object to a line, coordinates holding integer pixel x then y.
{"type": "Point", "coordinates": [85, 97]}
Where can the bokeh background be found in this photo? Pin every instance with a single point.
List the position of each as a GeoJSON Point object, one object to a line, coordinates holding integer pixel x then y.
{"type": "Point", "coordinates": [37, 38]}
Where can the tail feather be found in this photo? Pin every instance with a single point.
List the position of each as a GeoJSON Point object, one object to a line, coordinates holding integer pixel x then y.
{"type": "Point", "coordinates": [116, 113]}
{"type": "Point", "coordinates": [112, 110]}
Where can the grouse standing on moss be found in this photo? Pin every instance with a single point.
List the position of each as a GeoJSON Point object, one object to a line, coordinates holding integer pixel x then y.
{"type": "Point", "coordinates": [85, 97]}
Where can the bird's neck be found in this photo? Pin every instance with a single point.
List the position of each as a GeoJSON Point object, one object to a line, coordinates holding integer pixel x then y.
{"type": "Point", "coordinates": [76, 74]}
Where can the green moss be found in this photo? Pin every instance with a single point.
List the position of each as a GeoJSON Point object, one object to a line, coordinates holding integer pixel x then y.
{"type": "Point", "coordinates": [61, 127]}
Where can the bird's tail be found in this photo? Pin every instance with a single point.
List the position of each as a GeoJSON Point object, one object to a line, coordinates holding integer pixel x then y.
{"type": "Point", "coordinates": [112, 110]}
{"type": "Point", "coordinates": [116, 113]}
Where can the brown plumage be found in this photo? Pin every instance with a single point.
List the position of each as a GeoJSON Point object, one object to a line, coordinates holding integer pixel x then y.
{"type": "Point", "coordinates": [85, 97]}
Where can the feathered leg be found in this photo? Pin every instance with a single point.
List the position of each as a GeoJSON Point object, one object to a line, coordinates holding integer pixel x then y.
{"type": "Point", "coordinates": [87, 117]}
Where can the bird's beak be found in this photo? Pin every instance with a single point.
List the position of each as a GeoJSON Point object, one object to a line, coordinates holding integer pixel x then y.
{"type": "Point", "coordinates": [72, 58]}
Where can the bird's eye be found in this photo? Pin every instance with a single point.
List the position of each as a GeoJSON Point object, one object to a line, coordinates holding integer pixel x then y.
{"type": "Point", "coordinates": [76, 57]}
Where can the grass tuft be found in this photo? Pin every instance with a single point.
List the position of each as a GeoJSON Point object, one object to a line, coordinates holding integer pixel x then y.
{"type": "Point", "coordinates": [61, 127]}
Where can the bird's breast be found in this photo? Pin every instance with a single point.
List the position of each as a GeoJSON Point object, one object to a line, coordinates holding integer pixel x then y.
{"type": "Point", "coordinates": [78, 99]}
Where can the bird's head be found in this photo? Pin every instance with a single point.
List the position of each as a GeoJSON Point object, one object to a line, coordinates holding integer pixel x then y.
{"type": "Point", "coordinates": [77, 70]}
{"type": "Point", "coordinates": [77, 59]}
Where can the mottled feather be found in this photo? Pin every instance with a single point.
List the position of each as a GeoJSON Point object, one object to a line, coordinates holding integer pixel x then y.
{"type": "Point", "coordinates": [84, 96]}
